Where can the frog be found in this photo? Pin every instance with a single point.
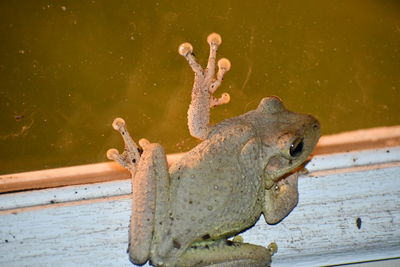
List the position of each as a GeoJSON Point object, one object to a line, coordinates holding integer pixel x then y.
{"type": "Point", "coordinates": [192, 212]}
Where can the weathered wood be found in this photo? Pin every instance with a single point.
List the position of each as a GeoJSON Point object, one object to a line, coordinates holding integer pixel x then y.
{"type": "Point", "coordinates": [110, 171]}
{"type": "Point", "coordinates": [338, 162]}
{"type": "Point", "coordinates": [83, 174]}
{"type": "Point", "coordinates": [359, 140]}
{"type": "Point", "coordinates": [349, 211]}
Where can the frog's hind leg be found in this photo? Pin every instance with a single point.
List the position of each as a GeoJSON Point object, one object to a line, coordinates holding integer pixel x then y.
{"type": "Point", "coordinates": [227, 254]}
{"type": "Point", "coordinates": [150, 185]}
{"type": "Point", "coordinates": [206, 81]}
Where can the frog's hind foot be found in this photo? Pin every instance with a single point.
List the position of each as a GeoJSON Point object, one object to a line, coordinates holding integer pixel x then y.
{"type": "Point", "coordinates": [230, 253]}
{"type": "Point", "coordinates": [150, 188]}
{"type": "Point", "coordinates": [206, 83]}
{"type": "Point", "coordinates": [131, 155]}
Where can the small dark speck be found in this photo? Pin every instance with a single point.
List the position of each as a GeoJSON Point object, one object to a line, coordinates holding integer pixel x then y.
{"type": "Point", "coordinates": [133, 160]}
{"type": "Point", "coordinates": [76, 192]}
{"type": "Point", "coordinates": [52, 201]}
{"type": "Point", "coordinates": [206, 236]}
{"type": "Point", "coordinates": [19, 117]}
{"type": "Point", "coordinates": [358, 223]}
{"type": "Point", "coordinates": [6, 241]}
{"type": "Point", "coordinates": [355, 159]}
{"type": "Point", "coordinates": [387, 151]}
{"type": "Point", "coordinates": [176, 244]}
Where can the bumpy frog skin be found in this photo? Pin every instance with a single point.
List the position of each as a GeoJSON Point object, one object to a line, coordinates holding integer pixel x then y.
{"type": "Point", "coordinates": [244, 167]}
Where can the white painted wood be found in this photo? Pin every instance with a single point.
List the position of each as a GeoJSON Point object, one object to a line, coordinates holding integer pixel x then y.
{"type": "Point", "coordinates": [123, 187]}
{"type": "Point", "coordinates": [321, 230]}
{"type": "Point", "coordinates": [354, 159]}
{"type": "Point", "coordinates": [64, 194]}
{"type": "Point", "coordinates": [323, 227]}
{"type": "Point", "coordinates": [84, 235]}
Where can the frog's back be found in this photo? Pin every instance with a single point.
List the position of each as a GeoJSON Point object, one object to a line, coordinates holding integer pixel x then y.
{"type": "Point", "coordinates": [205, 187]}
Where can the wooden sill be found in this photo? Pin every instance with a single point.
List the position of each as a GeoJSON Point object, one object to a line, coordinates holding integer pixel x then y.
{"type": "Point", "coordinates": [110, 171]}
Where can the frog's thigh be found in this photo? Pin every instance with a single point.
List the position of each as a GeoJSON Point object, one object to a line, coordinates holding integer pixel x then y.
{"type": "Point", "coordinates": [149, 185]}
{"type": "Point", "coordinates": [236, 254]}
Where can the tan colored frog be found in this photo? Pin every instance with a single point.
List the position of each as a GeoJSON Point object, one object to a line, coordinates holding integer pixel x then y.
{"type": "Point", "coordinates": [184, 215]}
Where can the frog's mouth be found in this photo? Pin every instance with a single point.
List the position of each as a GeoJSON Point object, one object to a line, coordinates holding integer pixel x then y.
{"type": "Point", "coordinates": [274, 174]}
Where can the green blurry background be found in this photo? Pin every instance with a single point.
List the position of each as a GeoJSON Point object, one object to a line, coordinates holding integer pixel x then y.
{"type": "Point", "coordinates": [67, 68]}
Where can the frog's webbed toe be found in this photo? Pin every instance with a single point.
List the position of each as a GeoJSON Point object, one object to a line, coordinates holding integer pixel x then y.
{"type": "Point", "coordinates": [131, 155]}
{"type": "Point", "coordinates": [206, 83]}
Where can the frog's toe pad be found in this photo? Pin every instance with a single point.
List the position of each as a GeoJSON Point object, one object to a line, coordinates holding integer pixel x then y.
{"type": "Point", "coordinates": [112, 154]}
{"type": "Point", "coordinates": [118, 124]}
{"type": "Point", "coordinates": [185, 49]}
{"type": "Point", "coordinates": [214, 39]}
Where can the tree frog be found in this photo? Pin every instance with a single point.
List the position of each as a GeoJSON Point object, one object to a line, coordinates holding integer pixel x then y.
{"type": "Point", "coordinates": [187, 214]}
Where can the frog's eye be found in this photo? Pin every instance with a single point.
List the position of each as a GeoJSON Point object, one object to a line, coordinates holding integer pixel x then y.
{"type": "Point", "coordinates": [296, 148]}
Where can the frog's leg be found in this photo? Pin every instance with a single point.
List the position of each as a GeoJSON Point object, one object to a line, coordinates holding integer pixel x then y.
{"type": "Point", "coordinates": [281, 199]}
{"type": "Point", "coordinates": [206, 81]}
{"type": "Point", "coordinates": [228, 253]}
{"type": "Point", "coordinates": [150, 185]}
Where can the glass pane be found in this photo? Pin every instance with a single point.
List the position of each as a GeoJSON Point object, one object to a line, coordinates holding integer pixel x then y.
{"type": "Point", "coordinates": [67, 68]}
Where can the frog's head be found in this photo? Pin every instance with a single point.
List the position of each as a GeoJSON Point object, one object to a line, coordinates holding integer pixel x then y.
{"type": "Point", "coordinates": [287, 138]}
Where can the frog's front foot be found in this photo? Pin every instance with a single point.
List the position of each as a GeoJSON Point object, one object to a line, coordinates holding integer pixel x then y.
{"type": "Point", "coordinates": [206, 83]}
{"type": "Point", "coordinates": [131, 155]}
{"type": "Point", "coordinates": [206, 78]}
